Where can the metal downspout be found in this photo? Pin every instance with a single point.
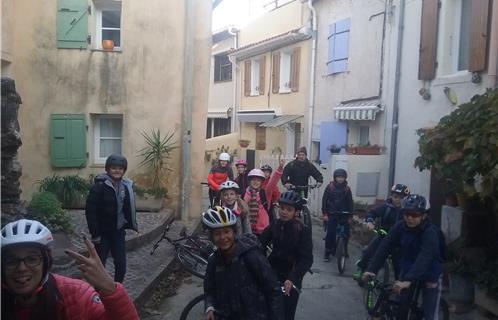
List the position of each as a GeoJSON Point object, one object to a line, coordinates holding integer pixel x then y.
{"type": "Point", "coordinates": [395, 125]}
{"type": "Point", "coordinates": [493, 47]}
{"type": "Point", "coordinates": [234, 78]}
{"type": "Point", "coordinates": [188, 89]}
{"type": "Point", "coordinates": [312, 75]}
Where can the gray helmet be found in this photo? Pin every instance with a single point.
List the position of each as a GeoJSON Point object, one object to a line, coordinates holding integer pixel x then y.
{"type": "Point", "coordinates": [292, 198]}
{"type": "Point", "coordinates": [340, 173]}
{"type": "Point", "coordinates": [116, 160]}
{"type": "Point", "coordinates": [415, 202]}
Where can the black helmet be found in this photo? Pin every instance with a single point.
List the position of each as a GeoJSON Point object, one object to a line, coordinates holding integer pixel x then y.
{"type": "Point", "coordinates": [400, 189]}
{"type": "Point", "coordinates": [292, 198]}
{"type": "Point", "coordinates": [116, 160]}
{"type": "Point", "coordinates": [415, 202]}
{"type": "Point", "coordinates": [340, 173]}
{"type": "Point", "coordinates": [266, 167]}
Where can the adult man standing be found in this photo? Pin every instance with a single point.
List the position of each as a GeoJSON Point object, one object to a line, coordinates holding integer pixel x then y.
{"type": "Point", "coordinates": [297, 173]}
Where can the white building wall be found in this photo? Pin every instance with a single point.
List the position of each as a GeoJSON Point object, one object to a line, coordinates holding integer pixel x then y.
{"type": "Point", "coordinates": [415, 112]}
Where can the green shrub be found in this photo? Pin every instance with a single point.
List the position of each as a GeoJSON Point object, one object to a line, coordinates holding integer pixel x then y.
{"type": "Point", "coordinates": [68, 189]}
{"type": "Point", "coordinates": [46, 208]}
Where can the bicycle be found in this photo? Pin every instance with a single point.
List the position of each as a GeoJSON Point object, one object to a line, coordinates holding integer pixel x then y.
{"type": "Point", "coordinates": [371, 293]}
{"type": "Point", "coordinates": [195, 308]}
{"type": "Point", "coordinates": [305, 214]}
{"type": "Point", "coordinates": [387, 306]}
{"type": "Point", "coordinates": [192, 251]}
{"type": "Point", "coordinates": [341, 241]}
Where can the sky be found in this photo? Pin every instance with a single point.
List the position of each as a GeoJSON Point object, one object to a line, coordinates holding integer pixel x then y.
{"type": "Point", "coordinates": [237, 12]}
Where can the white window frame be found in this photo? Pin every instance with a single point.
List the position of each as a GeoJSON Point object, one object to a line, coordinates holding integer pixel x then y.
{"type": "Point", "coordinates": [106, 5]}
{"type": "Point", "coordinates": [449, 38]}
{"type": "Point", "coordinates": [96, 134]}
{"type": "Point", "coordinates": [285, 72]}
{"type": "Point", "coordinates": [255, 77]}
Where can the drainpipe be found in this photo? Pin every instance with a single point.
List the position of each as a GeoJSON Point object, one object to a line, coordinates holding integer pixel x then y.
{"type": "Point", "coordinates": [312, 75]}
{"type": "Point", "coordinates": [394, 133]}
{"type": "Point", "coordinates": [188, 92]}
{"type": "Point", "coordinates": [493, 47]}
{"type": "Point", "coordinates": [234, 32]}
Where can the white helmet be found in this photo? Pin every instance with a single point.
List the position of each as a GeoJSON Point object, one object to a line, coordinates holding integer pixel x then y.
{"type": "Point", "coordinates": [256, 173]}
{"type": "Point", "coordinates": [26, 231]}
{"type": "Point", "coordinates": [224, 156]}
{"type": "Point", "coordinates": [229, 185]}
{"type": "Point", "coordinates": [219, 217]}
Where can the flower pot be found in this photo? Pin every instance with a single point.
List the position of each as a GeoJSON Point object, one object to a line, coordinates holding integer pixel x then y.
{"type": "Point", "coordinates": [107, 45]}
{"type": "Point", "coordinates": [370, 150]}
{"type": "Point", "coordinates": [149, 204]}
{"type": "Point", "coordinates": [244, 143]}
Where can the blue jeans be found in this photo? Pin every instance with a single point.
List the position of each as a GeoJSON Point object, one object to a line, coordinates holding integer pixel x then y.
{"type": "Point", "coordinates": [115, 243]}
{"type": "Point", "coordinates": [331, 236]}
{"type": "Point", "coordinates": [430, 301]}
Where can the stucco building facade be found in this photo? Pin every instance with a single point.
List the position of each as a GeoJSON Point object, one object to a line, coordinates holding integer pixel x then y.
{"type": "Point", "coordinates": [81, 103]}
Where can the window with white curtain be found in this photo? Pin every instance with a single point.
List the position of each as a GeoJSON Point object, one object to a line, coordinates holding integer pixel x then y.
{"type": "Point", "coordinates": [108, 136]}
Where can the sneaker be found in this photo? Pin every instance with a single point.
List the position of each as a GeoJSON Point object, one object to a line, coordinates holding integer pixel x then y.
{"type": "Point", "coordinates": [326, 257]}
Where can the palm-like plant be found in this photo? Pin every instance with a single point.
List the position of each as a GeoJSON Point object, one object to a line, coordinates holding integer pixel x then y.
{"type": "Point", "coordinates": [156, 152]}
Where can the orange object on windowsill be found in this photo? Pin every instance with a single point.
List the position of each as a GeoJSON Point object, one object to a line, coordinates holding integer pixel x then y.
{"type": "Point", "coordinates": [107, 45]}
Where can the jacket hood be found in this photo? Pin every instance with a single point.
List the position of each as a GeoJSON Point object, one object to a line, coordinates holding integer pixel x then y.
{"type": "Point", "coordinates": [389, 203]}
{"type": "Point", "coordinates": [344, 184]}
{"type": "Point", "coordinates": [246, 242]}
{"type": "Point", "coordinates": [103, 177]}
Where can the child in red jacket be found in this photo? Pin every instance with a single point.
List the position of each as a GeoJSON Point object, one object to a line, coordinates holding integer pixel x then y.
{"type": "Point", "coordinates": [219, 173]}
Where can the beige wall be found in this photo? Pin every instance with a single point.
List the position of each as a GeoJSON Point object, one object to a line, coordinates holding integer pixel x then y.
{"type": "Point", "coordinates": [143, 83]}
{"type": "Point", "coordinates": [281, 20]}
{"type": "Point", "coordinates": [362, 78]}
{"type": "Point", "coordinates": [6, 6]}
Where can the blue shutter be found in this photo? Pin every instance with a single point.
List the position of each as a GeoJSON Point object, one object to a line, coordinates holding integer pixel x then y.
{"type": "Point", "coordinates": [72, 24]}
{"type": "Point", "coordinates": [330, 57]}
{"type": "Point", "coordinates": [68, 140]}
{"type": "Point", "coordinates": [339, 46]}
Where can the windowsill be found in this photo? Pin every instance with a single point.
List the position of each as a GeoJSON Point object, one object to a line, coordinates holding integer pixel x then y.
{"type": "Point", "coordinates": [109, 51]}
{"type": "Point", "coordinates": [455, 78]}
{"type": "Point", "coordinates": [222, 81]}
{"type": "Point", "coordinates": [285, 91]}
{"type": "Point", "coordinates": [254, 94]}
{"type": "Point", "coordinates": [97, 165]}
{"type": "Point", "coordinates": [334, 74]}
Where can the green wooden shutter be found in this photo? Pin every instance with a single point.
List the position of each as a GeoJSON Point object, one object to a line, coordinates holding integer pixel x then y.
{"type": "Point", "coordinates": [68, 140]}
{"type": "Point", "coordinates": [72, 24]}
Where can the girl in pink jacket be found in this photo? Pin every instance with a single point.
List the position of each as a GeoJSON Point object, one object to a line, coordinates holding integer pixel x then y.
{"type": "Point", "coordinates": [30, 291]}
{"type": "Point", "coordinates": [257, 197]}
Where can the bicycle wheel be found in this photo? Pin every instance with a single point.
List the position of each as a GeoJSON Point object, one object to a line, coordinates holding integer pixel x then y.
{"type": "Point", "coordinates": [194, 263]}
{"type": "Point", "coordinates": [305, 212]}
{"type": "Point", "coordinates": [194, 310]}
{"type": "Point", "coordinates": [340, 254]}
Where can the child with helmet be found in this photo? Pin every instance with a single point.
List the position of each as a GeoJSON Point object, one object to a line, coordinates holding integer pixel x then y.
{"type": "Point", "coordinates": [292, 248]}
{"type": "Point", "coordinates": [31, 291]}
{"type": "Point", "coordinates": [219, 173]}
{"type": "Point", "coordinates": [337, 198]}
{"type": "Point", "coordinates": [241, 179]}
{"type": "Point", "coordinates": [275, 193]}
{"type": "Point", "coordinates": [230, 198]}
{"type": "Point", "coordinates": [421, 245]}
{"type": "Point", "coordinates": [110, 210]}
{"type": "Point", "coordinates": [387, 214]}
{"type": "Point", "coordinates": [256, 197]}
{"type": "Point", "coordinates": [239, 282]}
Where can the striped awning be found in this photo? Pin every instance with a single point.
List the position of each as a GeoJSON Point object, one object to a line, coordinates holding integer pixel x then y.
{"type": "Point", "coordinates": [280, 121]}
{"type": "Point", "coordinates": [365, 109]}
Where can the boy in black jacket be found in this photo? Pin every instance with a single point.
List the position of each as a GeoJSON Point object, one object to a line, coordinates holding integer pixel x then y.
{"type": "Point", "coordinates": [292, 252]}
{"type": "Point", "coordinates": [110, 209]}
{"type": "Point", "coordinates": [388, 215]}
{"type": "Point", "coordinates": [421, 245]}
{"type": "Point", "coordinates": [337, 198]}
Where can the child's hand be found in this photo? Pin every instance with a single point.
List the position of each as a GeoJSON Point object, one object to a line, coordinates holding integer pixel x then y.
{"type": "Point", "coordinates": [93, 270]}
{"type": "Point", "coordinates": [281, 162]}
{"type": "Point", "coordinates": [400, 286]}
{"type": "Point", "coordinates": [370, 226]}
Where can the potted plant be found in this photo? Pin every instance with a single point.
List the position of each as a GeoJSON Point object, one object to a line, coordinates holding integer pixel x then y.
{"type": "Point", "coordinates": [154, 156]}
{"type": "Point", "coordinates": [365, 149]}
{"type": "Point", "coordinates": [243, 143]}
{"type": "Point", "coordinates": [70, 190]}
{"type": "Point", "coordinates": [108, 45]}
{"type": "Point", "coordinates": [334, 149]}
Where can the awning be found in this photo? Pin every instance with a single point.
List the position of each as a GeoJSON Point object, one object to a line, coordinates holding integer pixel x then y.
{"type": "Point", "coordinates": [280, 121]}
{"type": "Point", "coordinates": [364, 109]}
{"type": "Point", "coordinates": [255, 115]}
{"type": "Point", "coordinates": [218, 113]}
